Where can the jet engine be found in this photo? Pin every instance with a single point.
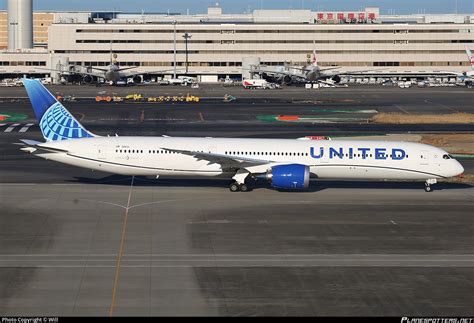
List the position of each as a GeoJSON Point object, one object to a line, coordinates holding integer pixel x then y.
{"type": "Point", "coordinates": [336, 78]}
{"type": "Point", "coordinates": [87, 79]}
{"type": "Point", "coordinates": [137, 79]}
{"type": "Point", "coordinates": [289, 177]}
{"type": "Point", "coordinates": [285, 80]}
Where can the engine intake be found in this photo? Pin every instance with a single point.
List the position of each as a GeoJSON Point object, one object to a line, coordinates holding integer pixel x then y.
{"type": "Point", "coordinates": [289, 177]}
{"type": "Point", "coordinates": [137, 79]}
{"type": "Point", "coordinates": [336, 78]}
{"type": "Point", "coordinates": [87, 79]}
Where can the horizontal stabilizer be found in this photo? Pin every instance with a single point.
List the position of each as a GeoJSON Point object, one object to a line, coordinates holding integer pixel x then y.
{"type": "Point", "coordinates": [29, 142]}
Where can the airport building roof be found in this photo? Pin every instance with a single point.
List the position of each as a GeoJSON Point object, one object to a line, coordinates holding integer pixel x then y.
{"type": "Point", "coordinates": [215, 14]}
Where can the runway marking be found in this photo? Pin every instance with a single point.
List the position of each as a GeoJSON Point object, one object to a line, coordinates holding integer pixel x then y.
{"type": "Point", "coordinates": [258, 260]}
{"type": "Point", "coordinates": [166, 201]}
{"type": "Point", "coordinates": [402, 109]}
{"type": "Point", "coordinates": [102, 202]}
{"type": "Point", "coordinates": [120, 253]}
{"type": "Point", "coordinates": [201, 117]}
{"type": "Point", "coordinates": [363, 256]}
{"type": "Point", "coordinates": [139, 205]}
{"type": "Point", "coordinates": [82, 116]}
{"type": "Point", "coordinates": [449, 108]}
{"type": "Point", "coordinates": [26, 127]}
{"type": "Point", "coordinates": [444, 106]}
{"type": "Point", "coordinates": [13, 126]}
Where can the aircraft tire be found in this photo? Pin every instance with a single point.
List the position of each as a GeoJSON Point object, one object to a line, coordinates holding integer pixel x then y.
{"type": "Point", "coordinates": [244, 188]}
{"type": "Point", "coordinates": [234, 187]}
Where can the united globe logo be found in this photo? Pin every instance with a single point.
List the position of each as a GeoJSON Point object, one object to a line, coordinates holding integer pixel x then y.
{"type": "Point", "coordinates": [58, 124]}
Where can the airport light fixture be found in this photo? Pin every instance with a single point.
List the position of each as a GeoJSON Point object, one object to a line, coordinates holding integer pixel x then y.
{"type": "Point", "coordinates": [186, 36]}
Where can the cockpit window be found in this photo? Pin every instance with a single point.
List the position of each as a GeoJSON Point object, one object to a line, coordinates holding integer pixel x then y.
{"type": "Point", "coordinates": [447, 157]}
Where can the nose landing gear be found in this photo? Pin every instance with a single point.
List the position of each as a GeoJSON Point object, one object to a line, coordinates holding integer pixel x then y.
{"type": "Point", "coordinates": [428, 184]}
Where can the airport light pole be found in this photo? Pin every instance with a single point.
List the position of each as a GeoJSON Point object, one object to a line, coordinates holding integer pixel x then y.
{"type": "Point", "coordinates": [174, 64]}
{"type": "Point", "coordinates": [186, 36]}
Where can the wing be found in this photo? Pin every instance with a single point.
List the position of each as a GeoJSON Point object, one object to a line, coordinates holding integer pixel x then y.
{"type": "Point", "coordinates": [98, 69]}
{"type": "Point", "coordinates": [275, 72]}
{"type": "Point", "coordinates": [226, 162]}
{"type": "Point", "coordinates": [360, 72]}
{"type": "Point", "coordinates": [150, 72]}
{"type": "Point", "coordinates": [31, 146]}
{"type": "Point", "coordinates": [69, 72]}
{"type": "Point", "coordinates": [329, 68]}
{"type": "Point", "coordinates": [126, 68]}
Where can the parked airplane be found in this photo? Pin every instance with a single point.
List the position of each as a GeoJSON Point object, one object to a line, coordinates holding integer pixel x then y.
{"type": "Point", "coordinates": [113, 74]}
{"type": "Point", "coordinates": [287, 164]}
{"type": "Point", "coordinates": [287, 74]}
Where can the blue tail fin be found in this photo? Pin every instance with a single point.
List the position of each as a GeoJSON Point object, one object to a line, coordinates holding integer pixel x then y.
{"type": "Point", "coordinates": [56, 123]}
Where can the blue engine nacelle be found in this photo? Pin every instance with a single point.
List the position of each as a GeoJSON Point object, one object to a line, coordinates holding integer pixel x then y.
{"type": "Point", "coordinates": [289, 177]}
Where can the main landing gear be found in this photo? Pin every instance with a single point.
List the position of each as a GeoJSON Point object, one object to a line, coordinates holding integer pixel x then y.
{"type": "Point", "coordinates": [239, 180]}
{"type": "Point", "coordinates": [236, 187]}
{"type": "Point", "coordinates": [428, 184]}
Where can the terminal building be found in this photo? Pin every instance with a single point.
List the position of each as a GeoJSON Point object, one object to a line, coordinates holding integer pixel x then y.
{"type": "Point", "coordinates": [217, 44]}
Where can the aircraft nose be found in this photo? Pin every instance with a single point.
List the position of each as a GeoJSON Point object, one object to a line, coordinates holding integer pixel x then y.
{"type": "Point", "coordinates": [458, 169]}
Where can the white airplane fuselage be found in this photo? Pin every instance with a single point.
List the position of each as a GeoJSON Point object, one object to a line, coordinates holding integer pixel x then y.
{"type": "Point", "coordinates": [113, 73]}
{"type": "Point", "coordinates": [327, 159]}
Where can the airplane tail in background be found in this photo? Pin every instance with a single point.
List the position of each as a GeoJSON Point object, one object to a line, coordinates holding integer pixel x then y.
{"type": "Point", "coordinates": [314, 60]}
{"type": "Point", "coordinates": [469, 56]}
{"type": "Point", "coordinates": [56, 123]}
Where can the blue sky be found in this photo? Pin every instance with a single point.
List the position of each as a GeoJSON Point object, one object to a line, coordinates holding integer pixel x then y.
{"type": "Point", "coordinates": [199, 6]}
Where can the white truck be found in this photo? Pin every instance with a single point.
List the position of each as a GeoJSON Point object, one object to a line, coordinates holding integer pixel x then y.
{"type": "Point", "coordinates": [255, 83]}
{"type": "Point", "coordinates": [182, 80]}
